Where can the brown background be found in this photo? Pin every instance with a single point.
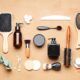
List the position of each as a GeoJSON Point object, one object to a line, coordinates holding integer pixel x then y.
{"type": "Point", "coordinates": [39, 8]}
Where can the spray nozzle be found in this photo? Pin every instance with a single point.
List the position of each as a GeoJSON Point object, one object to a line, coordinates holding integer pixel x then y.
{"type": "Point", "coordinates": [18, 26]}
{"type": "Point", "coordinates": [53, 40]}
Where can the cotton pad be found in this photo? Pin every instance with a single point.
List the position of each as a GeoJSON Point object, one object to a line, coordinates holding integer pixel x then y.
{"type": "Point", "coordinates": [28, 65]}
{"type": "Point", "coordinates": [36, 65]}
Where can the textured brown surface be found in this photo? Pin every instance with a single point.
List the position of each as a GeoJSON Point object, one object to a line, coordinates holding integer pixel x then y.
{"type": "Point", "coordinates": [39, 8]}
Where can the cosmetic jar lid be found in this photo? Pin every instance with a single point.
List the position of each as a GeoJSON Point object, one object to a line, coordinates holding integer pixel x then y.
{"type": "Point", "coordinates": [39, 40]}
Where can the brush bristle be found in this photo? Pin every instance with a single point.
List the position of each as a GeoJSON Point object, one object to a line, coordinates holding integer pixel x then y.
{"type": "Point", "coordinates": [5, 22]}
{"type": "Point", "coordinates": [27, 41]}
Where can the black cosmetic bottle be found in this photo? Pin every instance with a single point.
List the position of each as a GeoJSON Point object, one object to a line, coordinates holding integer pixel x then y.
{"type": "Point", "coordinates": [53, 49]}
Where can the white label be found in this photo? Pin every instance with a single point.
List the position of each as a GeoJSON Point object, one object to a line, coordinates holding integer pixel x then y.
{"type": "Point", "coordinates": [17, 38]}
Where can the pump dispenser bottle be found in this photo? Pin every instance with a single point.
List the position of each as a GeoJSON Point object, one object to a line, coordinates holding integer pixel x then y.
{"type": "Point", "coordinates": [53, 49]}
{"type": "Point", "coordinates": [17, 37]}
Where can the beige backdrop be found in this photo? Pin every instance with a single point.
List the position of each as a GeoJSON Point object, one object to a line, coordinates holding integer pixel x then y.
{"type": "Point", "coordinates": [39, 8]}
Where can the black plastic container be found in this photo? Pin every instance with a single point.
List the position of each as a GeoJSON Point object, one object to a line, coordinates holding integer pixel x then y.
{"type": "Point", "coordinates": [53, 49]}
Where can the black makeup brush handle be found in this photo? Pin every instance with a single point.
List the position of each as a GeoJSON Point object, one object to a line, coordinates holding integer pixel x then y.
{"type": "Point", "coordinates": [67, 57]}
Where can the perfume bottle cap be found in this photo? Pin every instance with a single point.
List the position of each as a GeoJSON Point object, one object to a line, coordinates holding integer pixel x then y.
{"type": "Point", "coordinates": [53, 40]}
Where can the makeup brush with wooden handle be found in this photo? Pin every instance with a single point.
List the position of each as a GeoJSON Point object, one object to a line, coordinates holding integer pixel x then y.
{"type": "Point", "coordinates": [27, 51]}
{"type": "Point", "coordinates": [67, 50]}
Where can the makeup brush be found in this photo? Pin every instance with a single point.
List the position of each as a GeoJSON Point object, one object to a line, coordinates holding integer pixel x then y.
{"type": "Point", "coordinates": [41, 28]}
{"type": "Point", "coordinates": [27, 51]}
{"type": "Point", "coordinates": [67, 50]}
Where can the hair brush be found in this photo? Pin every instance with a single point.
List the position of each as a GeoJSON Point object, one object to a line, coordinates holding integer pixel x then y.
{"type": "Point", "coordinates": [5, 29]}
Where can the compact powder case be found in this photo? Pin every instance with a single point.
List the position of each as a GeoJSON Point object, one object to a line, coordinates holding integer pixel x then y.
{"type": "Point", "coordinates": [39, 40]}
